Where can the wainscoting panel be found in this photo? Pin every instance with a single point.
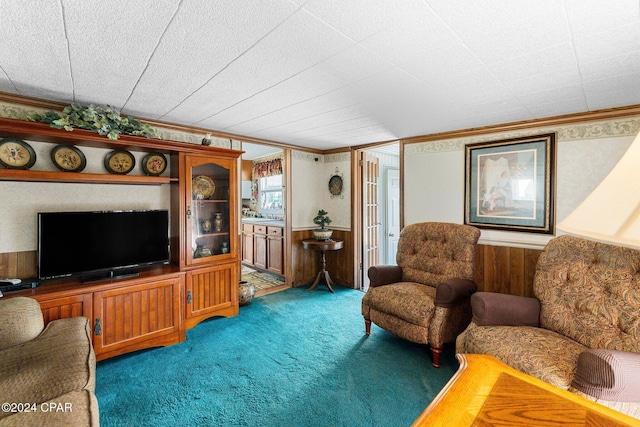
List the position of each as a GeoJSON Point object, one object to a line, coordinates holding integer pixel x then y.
{"type": "Point", "coordinates": [19, 264]}
{"type": "Point", "coordinates": [306, 263]}
{"type": "Point", "coordinates": [506, 270]}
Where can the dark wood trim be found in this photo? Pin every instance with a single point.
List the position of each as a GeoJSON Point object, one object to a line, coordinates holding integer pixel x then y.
{"type": "Point", "coordinates": [606, 114]}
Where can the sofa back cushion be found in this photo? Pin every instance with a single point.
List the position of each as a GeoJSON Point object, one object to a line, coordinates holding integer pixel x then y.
{"type": "Point", "coordinates": [21, 321]}
{"type": "Point", "coordinates": [590, 292]}
{"type": "Point", "coordinates": [432, 252]}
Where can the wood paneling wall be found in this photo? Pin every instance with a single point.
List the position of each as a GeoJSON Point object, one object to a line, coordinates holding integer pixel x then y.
{"type": "Point", "coordinates": [500, 269]}
{"type": "Point", "coordinates": [506, 270]}
{"type": "Point", "coordinates": [306, 263]}
{"type": "Point", "coordinates": [19, 264]}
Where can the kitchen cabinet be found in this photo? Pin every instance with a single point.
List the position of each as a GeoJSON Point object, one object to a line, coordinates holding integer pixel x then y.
{"type": "Point", "coordinates": [247, 244]}
{"type": "Point", "coordinates": [260, 246]}
{"type": "Point", "coordinates": [275, 250]}
{"type": "Point", "coordinates": [263, 247]}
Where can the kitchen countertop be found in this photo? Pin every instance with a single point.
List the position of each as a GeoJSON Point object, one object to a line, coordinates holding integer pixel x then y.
{"type": "Point", "coordinates": [264, 221]}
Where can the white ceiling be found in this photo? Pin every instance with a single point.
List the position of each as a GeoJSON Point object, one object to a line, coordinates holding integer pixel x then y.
{"type": "Point", "coordinates": [326, 73]}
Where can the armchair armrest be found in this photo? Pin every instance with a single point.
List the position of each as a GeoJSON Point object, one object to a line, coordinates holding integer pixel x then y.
{"type": "Point", "coordinates": [494, 309]}
{"type": "Point", "coordinates": [384, 274]}
{"type": "Point", "coordinates": [451, 292]}
{"type": "Point", "coordinates": [21, 321]}
{"type": "Point", "coordinates": [609, 375]}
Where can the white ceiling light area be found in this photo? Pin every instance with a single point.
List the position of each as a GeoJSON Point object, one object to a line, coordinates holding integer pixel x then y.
{"type": "Point", "coordinates": [326, 74]}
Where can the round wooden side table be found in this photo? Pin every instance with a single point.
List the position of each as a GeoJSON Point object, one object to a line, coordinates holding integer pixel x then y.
{"type": "Point", "coordinates": [322, 246]}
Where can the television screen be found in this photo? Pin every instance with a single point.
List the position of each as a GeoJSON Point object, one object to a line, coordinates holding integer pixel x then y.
{"type": "Point", "coordinates": [84, 243]}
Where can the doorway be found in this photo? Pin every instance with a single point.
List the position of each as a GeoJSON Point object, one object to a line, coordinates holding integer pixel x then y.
{"type": "Point", "coordinates": [264, 226]}
{"type": "Point", "coordinates": [377, 203]}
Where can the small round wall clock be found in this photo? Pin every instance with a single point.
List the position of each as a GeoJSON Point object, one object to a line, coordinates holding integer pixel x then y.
{"type": "Point", "coordinates": [120, 162]}
{"type": "Point", "coordinates": [154, 164]}
{"type": "Point", "coordinates": [16, 154]}
{"type": "Point", "coordinates": [68, 158]}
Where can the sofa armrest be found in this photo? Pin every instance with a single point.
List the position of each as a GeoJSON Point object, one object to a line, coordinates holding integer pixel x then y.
{"type": "Point", "coordinates": [451, 292]}
{"type": "Point", "coordinates": [494, 309]}
{"type": "Point", "coordinates": [21, 321]}
{"type": "Point", "coordinates": [609, 375]}
{"type": "Point", "coordinates": [384, 275]}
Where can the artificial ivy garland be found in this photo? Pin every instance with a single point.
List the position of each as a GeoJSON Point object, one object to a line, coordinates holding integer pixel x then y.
{"type": "Point", "coordinates": [103, 120]}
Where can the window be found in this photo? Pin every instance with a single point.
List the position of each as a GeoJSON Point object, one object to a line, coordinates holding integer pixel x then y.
{"type": "Point", "coordinates": [270, 189]}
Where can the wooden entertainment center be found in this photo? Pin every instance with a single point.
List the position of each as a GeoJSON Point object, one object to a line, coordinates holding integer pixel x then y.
{"type": "Point", "coordinates": [156, 307]}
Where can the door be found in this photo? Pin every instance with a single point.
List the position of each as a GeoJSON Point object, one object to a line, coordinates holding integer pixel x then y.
{"type": "Point", "coordinates": [128, 317]}
{"type": "Point", "coordinates": [211, 291]}
{"type": "Point", "coordinates": [393, 215]}
{"type": "Point", "coordinates": [209, 198]}
{"type": "Point", "coordinates": [370, 221]}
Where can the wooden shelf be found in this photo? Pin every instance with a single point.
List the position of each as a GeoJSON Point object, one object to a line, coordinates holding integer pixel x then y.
{"type": "Point", "coordinates": [42, 132]}
{"type": "Point", "coordinates": [85, 178]}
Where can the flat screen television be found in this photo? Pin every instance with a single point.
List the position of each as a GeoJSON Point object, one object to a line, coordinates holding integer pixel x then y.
{"type": "Point", "coordinates": [102, 244]}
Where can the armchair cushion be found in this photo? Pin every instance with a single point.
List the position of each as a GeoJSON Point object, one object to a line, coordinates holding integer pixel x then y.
{"type": "Point", "coordinates": [21, 321]}
{"type": "Point", "coordinates": [493, 309]}
{"type": "Point", "coordinates": [540, 353]}
{"type": "Point", "coordinates": [609, 375]}
{"type": "Point", "coordinates": [408, 301]}
{"type": "Point", "coordinates": [384, 274]}
{"type": "Point", "coordinates": [452, 292]}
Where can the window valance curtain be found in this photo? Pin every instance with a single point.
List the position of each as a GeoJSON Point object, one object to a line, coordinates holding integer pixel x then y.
{"type": "Point", "coordinates": [267, 168]}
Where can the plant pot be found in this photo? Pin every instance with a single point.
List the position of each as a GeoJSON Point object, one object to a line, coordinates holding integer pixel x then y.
{"type": "Point", "coordinates": [322, 234]}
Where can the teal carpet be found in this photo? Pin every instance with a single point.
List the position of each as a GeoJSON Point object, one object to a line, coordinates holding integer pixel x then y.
{"type": "Point", "coordinates": [293, 358]}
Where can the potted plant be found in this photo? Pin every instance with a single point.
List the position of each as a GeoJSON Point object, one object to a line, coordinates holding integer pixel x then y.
{"type": "Point", "coordinates": [321, 220]}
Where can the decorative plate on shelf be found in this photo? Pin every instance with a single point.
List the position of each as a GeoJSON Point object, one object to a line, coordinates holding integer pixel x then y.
{"type": "Point", "coordinates": [68, 158]}
{"type": "Point", "coordinates": [202, 187]}
{"type": "Point", "coordinates": [16, 154]}
{"type": "Point", "coordinates": [119, 162]}
{"type": "Point", "coordinates": [154, 164]}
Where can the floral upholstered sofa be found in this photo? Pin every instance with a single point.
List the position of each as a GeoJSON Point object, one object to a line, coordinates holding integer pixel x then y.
{"type": "Point", "coordinates": [581, 332]}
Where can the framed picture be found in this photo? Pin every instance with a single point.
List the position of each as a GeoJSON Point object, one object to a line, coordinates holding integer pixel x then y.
{"type": "Point", "coordinates": [510, 184]}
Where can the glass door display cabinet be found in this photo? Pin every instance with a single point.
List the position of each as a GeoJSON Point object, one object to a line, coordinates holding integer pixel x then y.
{"type": "Point", "coordinates": [209, 211]}
{"type": "Point", "coordinates": [210, 248]}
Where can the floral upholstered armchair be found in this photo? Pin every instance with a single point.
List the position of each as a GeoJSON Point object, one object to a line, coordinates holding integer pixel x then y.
{"type": "Point", "coordinates": [581, 332]}
{"type": "Point", "coordinates": [425, 298]}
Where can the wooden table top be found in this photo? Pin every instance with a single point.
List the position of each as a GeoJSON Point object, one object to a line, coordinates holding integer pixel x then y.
{"type": "Point", "coordinates": [486, 392]}
{"type": "Point", "coordinates": [322, 245]}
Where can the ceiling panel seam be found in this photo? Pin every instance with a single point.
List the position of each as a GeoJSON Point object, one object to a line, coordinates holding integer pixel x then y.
{"type": "Point", "coordinates": [153, 52]}
{"type": "Point", "coordinates": [575, 56]}
{"type": "Point", "coordinates": [10, 81]}
{"type": "Point", "coordinates": [343, 107]}
{"type": "Point", "coordinates": [66, 39]}
{"type": "Point", "coordinates": [229, 64]}
{"type": "Point", "coordinates": [426, 2]}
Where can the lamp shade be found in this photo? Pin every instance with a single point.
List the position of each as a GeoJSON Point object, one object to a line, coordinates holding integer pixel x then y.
{"type": "Point", "coordinates": [611, 213]}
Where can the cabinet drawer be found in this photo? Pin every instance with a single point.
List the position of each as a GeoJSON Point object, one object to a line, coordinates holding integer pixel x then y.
{"type": "Point", "coordinates": [247, 228]}
{"type": "Point", "coordinates": [260, 229]}
{"type": "Point", "coordinates": [274, 231]}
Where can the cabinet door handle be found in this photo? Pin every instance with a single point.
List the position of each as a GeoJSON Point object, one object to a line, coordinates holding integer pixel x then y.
{"type": "Point", "coordinates": [188, 297]}
{"type": "Point", "coordinates": [98, 326]}
{"type": "Point", "coordinates": [188, 212]}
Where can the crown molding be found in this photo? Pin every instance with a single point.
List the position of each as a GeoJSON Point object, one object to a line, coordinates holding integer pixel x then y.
{"type": "Point", "coordinates": [606, 114]}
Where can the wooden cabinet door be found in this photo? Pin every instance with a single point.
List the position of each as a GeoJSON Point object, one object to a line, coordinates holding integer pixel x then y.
{"type": "Point", "coordinates": [260, 246]}
{"type": "Point", "coordinates": [136, 316]}
{"type": "Point", "coordinates": [211, 292]}
{"type": "Point", "coordinates": [65, 307]}
{"type": "Point", "coordinates": [247, 244]}
{"type": "Point", "coordinates": [275, 250]}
